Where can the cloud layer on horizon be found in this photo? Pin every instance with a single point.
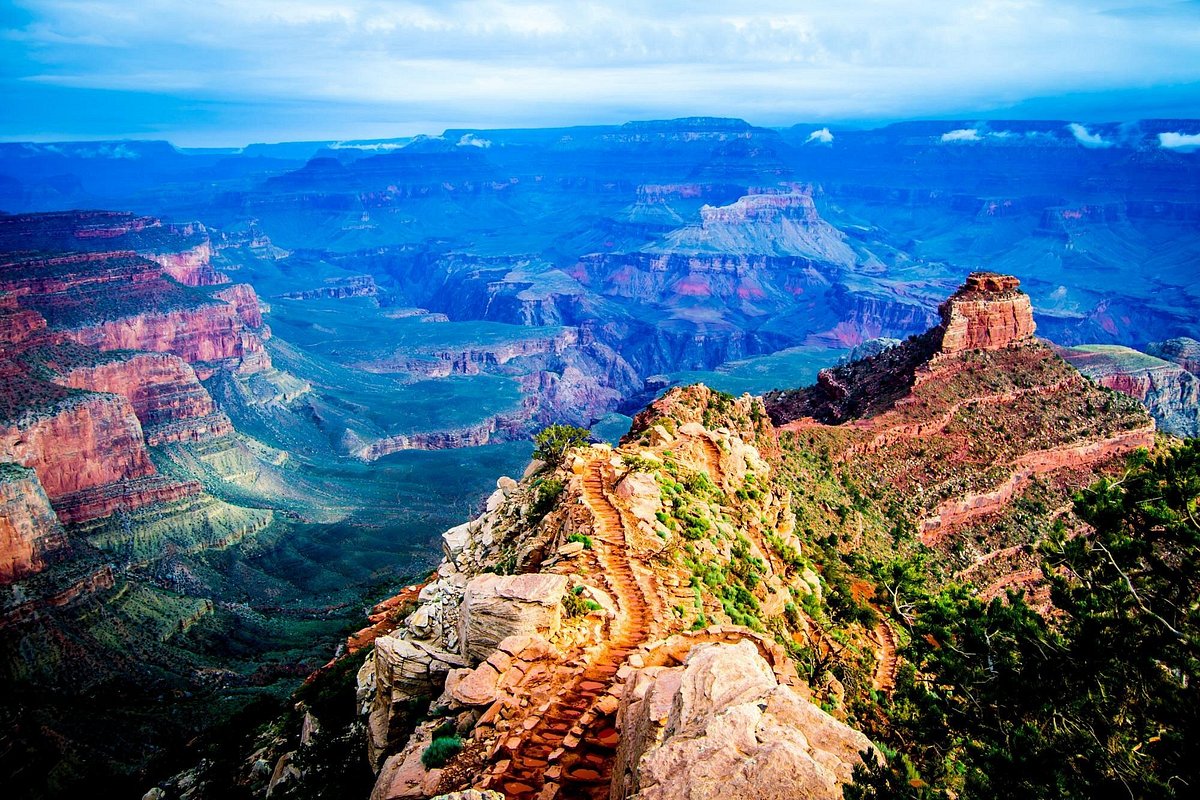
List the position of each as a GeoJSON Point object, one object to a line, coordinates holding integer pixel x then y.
{"type": "Point", "coordinates": [420, 65]}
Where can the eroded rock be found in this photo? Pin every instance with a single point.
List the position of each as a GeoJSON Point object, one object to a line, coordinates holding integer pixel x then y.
{"type": "Point", "coordinates": [722, 726]}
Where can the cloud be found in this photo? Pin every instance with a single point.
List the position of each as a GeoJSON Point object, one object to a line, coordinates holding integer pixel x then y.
{"type": "Point", "coordinates": [1183, 142]}
{"type": "Point", "coordinates": [822, 136]}
{"type": "Point", "coordinates": [962, 135]}
{"type": "Point", "coordinates": [471, 140]}
{"type": "Point", "coordinates": [401, 64]}
{"type": "Point", "coordinates": [1087, 138]}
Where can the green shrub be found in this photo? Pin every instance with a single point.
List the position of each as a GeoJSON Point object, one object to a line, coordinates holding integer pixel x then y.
{"type": "Point", "coordinates": [548, 492]}
{"type": "Point", "coordinates": [440, 751]}
{"type": "Point", "coordinates": [583, 538]}
{"type": "Point", "coordinates": [552, 443]}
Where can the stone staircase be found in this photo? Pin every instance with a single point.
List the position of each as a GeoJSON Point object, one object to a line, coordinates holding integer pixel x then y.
{"type": "Point", "coordinates": [567, 750]}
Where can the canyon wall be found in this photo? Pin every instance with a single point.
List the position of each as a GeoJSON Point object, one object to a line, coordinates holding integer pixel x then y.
{"type": "Point", "coordinates": [28, 527]}
{"type": "Point", "coordinates": [164, 391]}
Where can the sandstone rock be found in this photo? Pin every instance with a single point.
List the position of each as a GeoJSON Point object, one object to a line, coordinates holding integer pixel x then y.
{"type": "Point", "coordinates": [29, 530]}
{"type": "Point", "coordinates": [506, 485]}
{"type": "Point", "coordinates": [285, 773]}
{"type": "Point", "coordinates": [643, 494]}
{"type": "Point", "coordinates": [721, 726]}
{"type": "Point", "coordinates": [471, 794]}
{"type": "Point", "coordinates": [987, 313]}
{"type": "Point", "coordinates": [570, 549]}
{"type": "Point", "coordinates": [498, 606]}
{"type": "Point", "coordinates": [402, 670]}
{"type": "Point", "coordinates": [404, 777]}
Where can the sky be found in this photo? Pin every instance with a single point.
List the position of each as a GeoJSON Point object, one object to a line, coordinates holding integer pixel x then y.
{"type": "Point", "coordinates": [230, 72]}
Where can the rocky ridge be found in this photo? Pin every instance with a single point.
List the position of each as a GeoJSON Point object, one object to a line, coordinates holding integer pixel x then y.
{"type": "Point", "coordinates": [953, 427]}
{"type": "Point", "coordinates": [600, 592]}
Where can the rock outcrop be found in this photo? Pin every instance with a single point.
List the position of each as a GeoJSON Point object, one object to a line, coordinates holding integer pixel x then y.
{"type": "Point", "coordinates": [29, 530]}
{"type": "Point", "coordinates": [722, 726]}
{"type": "Point", "coordinates": [1170, 392]}
{"type": "Point", "coordinates": [495, 607]}
{"type": "Point", "coordinates": [165, 393]}
{"type": "Point", "coordinates": [90, 440]}
{"type": "Point", "coordinates": [987, 313]}
{"type": "Point", "coordinates": [1183, 351]}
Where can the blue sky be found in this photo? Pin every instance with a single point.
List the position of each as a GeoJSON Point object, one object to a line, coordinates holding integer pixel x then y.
{"type": "Point", "coordinates": [222, 72]}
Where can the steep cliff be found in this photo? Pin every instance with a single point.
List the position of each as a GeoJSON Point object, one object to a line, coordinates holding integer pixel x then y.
{"type": "Point", "coordinates": [169, 401]}
{"type": "Point", "coordinates": [29, 530]}
{"type": "Point", "coordinates": [1170, 392]}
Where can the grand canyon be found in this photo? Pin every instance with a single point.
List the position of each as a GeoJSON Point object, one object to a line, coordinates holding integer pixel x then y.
{"type": "Point", "coordinates": [273, 524]}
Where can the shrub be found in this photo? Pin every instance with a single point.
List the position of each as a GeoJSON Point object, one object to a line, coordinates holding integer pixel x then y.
{"type": "Point", "coordinates": [553, 442]}
{"type": "Point", "coordinates": [440, 751]}
{"type": "Point", "coordinates": [547, 494]}
{"type": "Point", "coordinates": [583, 538]}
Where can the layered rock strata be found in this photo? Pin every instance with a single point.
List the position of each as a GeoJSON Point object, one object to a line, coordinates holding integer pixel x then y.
{"type": "Point", "coordinates": [29, 530]}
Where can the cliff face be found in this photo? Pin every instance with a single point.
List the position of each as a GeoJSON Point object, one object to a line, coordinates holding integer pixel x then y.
{"type": "Point", "coordinates": [1170, 392]}
{"type": "Point", "coordinates": [987, 313]}
{"type": "Point", "coordinates": [211, 333]}
{"type": "Point", "coordinates": [164, 391]}
{"type": "Point", "coordinates": [92, 440]}
{"type": "Point", "coordinates": [191, 267]}
{"type": "Point", "coordinates": [29, 530]}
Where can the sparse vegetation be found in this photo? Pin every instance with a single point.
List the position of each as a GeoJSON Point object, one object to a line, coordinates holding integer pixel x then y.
{"type": "Point", "coordinates": [553, 443]}
{"type": "Point", "coordinates": [441, 750]}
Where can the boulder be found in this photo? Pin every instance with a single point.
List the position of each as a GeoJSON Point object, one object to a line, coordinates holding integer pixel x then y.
{"type": "Point", "coordinates": [402, 670]}
{"type": "Point", "coordinates": [495, 607]}
{"type": "Point", "coordinates": [722, 726]}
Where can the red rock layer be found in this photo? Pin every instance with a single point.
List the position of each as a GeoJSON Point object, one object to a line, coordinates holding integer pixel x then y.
{"type": "Point", "coordinates": [95, 581]}
{"type": "Point", "coordinates": [987, 313]}
{"type": "Point", "coordinates": [191, 267]}
{"type": "Point", "coordinates": [28, 527]}
{"type": "Point", "coordinates": [16, 324]}
{"type": "Point", "coordinates": [208, 333]}
{"type": "Point", "coordinates": [87, 442]}
{"type": "Point", "coordinates": [955, 513]}
{"type": "Point", "coordinates": [165, 393]}
{"type": "Point", "coordinates": [101, 501]}
{"type": "Point", "coordinates": [244, 301]}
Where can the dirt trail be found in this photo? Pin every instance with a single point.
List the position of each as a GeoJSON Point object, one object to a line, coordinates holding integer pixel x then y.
{"type": "Point", "coordinates": [569, 751]}
{"type": "Point", "coordinates": [884, 679]}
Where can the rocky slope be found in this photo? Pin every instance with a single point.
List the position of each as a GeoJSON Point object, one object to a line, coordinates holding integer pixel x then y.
{"type": "Point", "coordinates": [602, 566]}
{"type": "Point", "coordinates": [710, 609]}
{"type": "Point", "coordinates": [953, 429]}
{"type": "Point", "coordinates": [1169, 390]}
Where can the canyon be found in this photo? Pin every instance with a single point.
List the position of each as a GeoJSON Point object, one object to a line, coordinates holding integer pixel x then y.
{"type": "Point", "coordinates": [202, 490]}
{"type": "Point", "coordinates": [625, 611]}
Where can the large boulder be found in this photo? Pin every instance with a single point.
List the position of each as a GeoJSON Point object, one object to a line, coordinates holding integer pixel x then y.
{"type": "Point", "coordinates": [495, 607]}
{"type": "Point", "coordinates": [722, 726]}
{"type": "Point", "coordinates": [401, 670]}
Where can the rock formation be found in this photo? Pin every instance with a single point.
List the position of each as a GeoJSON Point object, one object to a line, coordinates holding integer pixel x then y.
{"type": "Point", "coordinates": [1169, 390]}
{"type": "Point", "coordinates": [168, 399]}
{"type": "Point", "coordinates": [987, 313]}
{"type": "Point", "coordinates": [721, 725]}
{"type": "Point", "coordinates": [29, 530]}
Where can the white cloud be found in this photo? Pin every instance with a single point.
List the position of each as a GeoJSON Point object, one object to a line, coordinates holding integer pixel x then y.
{"type": "Point", "coordinates": [962, 135]}
{"type": "Point", "coordinates": [471, 140]}
{"type": "Point", "coordinates": [1087, 138]}
{"type": "Point", "coordinates": [1183, 142]}
{"type": "Point", "coordinates": [822, 136]}
{"type": "Point", "coordinates": [478, 63]}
